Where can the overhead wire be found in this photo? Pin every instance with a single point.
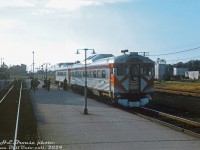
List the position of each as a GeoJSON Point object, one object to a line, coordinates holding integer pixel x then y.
{"type": "Point", "coordinates": [185, 58]}
{"type": "Point", "coordinates": [177, 52]}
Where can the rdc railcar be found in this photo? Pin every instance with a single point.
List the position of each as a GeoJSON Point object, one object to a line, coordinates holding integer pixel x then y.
{"type": "Point", "coordinates": [127, 79]}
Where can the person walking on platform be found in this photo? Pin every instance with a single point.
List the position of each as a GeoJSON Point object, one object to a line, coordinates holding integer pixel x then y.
{"type": "Point", "coordinates": [48, 84]}
{"type": "Point", "coordinates": [32, 85]}
{"type": "Point", "coordinates": [65, 84]}
{"type": "Point", "coordinates": [36, 82]}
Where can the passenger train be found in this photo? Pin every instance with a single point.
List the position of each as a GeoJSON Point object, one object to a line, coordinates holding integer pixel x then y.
{"type": "Point", "coordinates": [127, 79]}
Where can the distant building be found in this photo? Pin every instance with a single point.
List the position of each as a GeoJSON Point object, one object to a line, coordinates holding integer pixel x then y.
{"type": "Point", "coordinates": [192, 74]}
{"type": "Point", "coordinates": [179, 71]}
{"type": "Point", "coordinates": [23, 68]}
{"type": "Point", "coordinates": [160, 69]}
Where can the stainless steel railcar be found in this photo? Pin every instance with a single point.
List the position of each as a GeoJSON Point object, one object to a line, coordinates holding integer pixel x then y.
{"type": "Point", "coordinates": [127, 79]}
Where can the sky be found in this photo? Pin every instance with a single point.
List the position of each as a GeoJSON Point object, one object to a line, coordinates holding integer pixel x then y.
{"type": "Point", "coordinates": [55, 29]}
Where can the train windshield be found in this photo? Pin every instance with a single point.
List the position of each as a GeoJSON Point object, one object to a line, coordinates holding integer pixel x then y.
{"type": "Point", "coordinates": [147, 70]}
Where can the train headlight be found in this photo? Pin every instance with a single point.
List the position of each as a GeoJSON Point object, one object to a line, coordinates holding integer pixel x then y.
{"type": "Point", "coordinates": [149, 97]}
{"type": "Point", "coordinates": [118, 95]}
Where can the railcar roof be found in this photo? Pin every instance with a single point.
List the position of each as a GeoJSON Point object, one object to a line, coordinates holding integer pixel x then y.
{"type": "Point", "coordinates": [132, 57]}
{"type": "Point", "coordinates": [100, 59]}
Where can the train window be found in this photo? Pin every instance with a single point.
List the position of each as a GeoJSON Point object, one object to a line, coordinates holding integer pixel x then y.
{"type": "Point", "coordinates": [94, 74]}
{"type": "Point", "coordinates": [83, 73]}
{"type": "Point", "coordinates": [80, 74]}
{"type": "Point", "coordinates": [90, 74]}
{"type": "Point", "coordinates": [121, 70]}
{"type": "Point", "coordinates": [72, 74]}
{"type": "Point", "coordinates": [103, 74]}
{"type": "Point", "coordinates": [87, 73]}
{"type": "Point", "coordinates": [99, 73]}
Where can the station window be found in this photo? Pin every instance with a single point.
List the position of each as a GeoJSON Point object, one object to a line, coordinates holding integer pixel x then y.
{"type": "Point", "coordinates": [121, 70]}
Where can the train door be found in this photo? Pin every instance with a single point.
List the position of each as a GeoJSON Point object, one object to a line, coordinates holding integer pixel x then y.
{"type": "Point", "coordinates": [134, 80]}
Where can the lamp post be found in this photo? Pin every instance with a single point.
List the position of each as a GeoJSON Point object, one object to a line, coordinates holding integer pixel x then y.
{"type": "Point", "coordinates": [93, 52]}
{"type": "Point", "coordinates": [46, 68]}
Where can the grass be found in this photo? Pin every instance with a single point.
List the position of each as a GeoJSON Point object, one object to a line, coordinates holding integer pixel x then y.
{"type": "Point", "coordinates": [187, 85]}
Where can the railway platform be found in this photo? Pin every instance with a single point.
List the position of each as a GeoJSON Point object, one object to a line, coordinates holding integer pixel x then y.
{"type": "Point", "coordinates": [61, 122]}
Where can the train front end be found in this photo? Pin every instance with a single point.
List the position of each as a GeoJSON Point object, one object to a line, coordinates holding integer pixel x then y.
{"type": "Point", "coordinates": [133, 80]}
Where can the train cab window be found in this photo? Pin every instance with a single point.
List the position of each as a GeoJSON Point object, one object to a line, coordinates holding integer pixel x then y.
{"type": "Point", "coordinates": [99, 74]}
{"type": "Point", "coordinates": [103, 74]}
{"type": "Point", "coordinates": [94, 74]}
{"type": "Point", "coordinates": [121, 70]}
{"type": "Point", "coordinates": [147, 70]}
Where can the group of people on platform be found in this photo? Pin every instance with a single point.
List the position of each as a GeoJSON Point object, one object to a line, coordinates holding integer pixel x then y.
{"type": "Point", "coordinates": [59, 85]}
{"type": "Point", "coordinates": [47, 83]}
{"type": "Point", "coordinates": [34, 84]}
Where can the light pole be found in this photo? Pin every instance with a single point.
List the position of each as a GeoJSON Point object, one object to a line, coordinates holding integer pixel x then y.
{"type": "Point", "coordinates": [1, 62]}
{"type": "Point", "coordinates": [46, 68]}
{"type": "Point", "coordinates": [93, 52]}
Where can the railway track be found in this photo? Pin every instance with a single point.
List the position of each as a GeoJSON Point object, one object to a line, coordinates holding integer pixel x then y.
{"type": "Point", "coordinates": [175, 122]}
{"type": "Point", "coordinates": [172, 121]}
{"type": "Point", "coordinates": [180, 92]}
{"type": "Point", "coordinates": [16, 118]}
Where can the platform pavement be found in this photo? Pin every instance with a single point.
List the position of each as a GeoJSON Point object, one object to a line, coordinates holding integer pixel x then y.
{"type": "Point", "coordinates": [61, 121]}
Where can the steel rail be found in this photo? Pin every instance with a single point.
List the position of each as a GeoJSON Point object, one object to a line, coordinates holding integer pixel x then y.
{"type": "Point", "coordinates": [169, 125]}
{"type": "Point", "coordinates": [190, 122]}
{"type": "Point", "coordinates": [17, 120]}
{"type": "Point", "coordinates": [6, 94]}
